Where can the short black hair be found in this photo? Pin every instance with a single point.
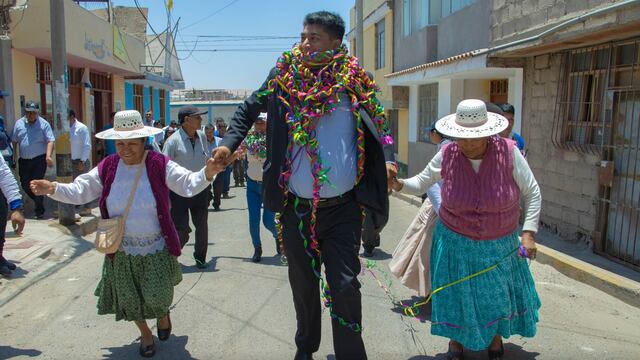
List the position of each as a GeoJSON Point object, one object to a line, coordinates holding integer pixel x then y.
{"type": "Point", "coordinates": [72, 113]}
{"type": "Point", "coordinates": [113, 113]}
{"type": "Point", "coordinates": [331, 22]}
{"type": "Point", "coordinates": [507, 108]}
{"type": "Point", "coordinates": [491, 107]}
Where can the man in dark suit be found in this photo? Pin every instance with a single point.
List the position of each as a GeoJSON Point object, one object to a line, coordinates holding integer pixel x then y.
{"type": "Point", "coordinates": [323, 166]}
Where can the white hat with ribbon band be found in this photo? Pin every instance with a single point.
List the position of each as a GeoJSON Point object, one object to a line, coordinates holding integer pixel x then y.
{"type": "Point", "coordinates": [471, 121]}
{"type": "Point", "coordinates": [127, 125]}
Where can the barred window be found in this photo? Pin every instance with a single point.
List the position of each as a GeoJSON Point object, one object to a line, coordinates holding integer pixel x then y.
{"type": "Point", "coordinates": [589, 80]}
{"type": "Point", "coordinates": [427, 109]}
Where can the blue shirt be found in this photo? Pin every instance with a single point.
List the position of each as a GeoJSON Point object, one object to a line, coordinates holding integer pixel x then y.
{"type": "Point", "coordinates": [32, 138]}
{"type": "Point", "coordinates": [519, 141]}
{"type": "Point", "coordinates": [109, 145]}
{"type": "Point", "coordinates": [336, 135]}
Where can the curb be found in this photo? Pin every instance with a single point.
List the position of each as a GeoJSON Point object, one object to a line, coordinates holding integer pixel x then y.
{"type": "Point", "coordinates": [615, 285]}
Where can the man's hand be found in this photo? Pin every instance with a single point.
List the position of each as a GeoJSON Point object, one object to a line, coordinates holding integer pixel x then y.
{"type": "Point", "coordinates": [17, 221]}
{"type": "Point", "coordinates": [42, 187]}
{"type": "Point", "coordinates": [392, 173]}
{"type": "Point", "coordinates": [49, 161]}
{"type": "Point", "coordinates": [222, 155]}
{"type": "Point", "coordinates": [212, 168]}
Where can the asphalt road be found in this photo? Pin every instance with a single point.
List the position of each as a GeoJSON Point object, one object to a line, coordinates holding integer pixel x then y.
{"type": "Point", "coordinates": [240, 310]}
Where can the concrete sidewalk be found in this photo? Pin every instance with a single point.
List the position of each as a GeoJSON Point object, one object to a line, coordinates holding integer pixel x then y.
{"type": "Point", "coordinates": [579, 262]}
{"type": "Point", "coordinates": [43, 248]}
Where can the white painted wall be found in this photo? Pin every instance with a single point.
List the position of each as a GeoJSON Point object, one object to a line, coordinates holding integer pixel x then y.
{"type": "Point", "coordinates": [516, 84]}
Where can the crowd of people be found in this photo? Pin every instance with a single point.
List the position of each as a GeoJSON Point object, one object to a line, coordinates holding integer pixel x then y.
{"type": "Point", "coordinates": [314, 150]}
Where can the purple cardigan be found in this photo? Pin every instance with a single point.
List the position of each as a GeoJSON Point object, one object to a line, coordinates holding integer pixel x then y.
{"type": "Point", "coordinates": [156, 164]}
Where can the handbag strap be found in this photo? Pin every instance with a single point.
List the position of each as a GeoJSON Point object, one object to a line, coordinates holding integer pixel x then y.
{"type": "Point", "coordinates": [135, 186]}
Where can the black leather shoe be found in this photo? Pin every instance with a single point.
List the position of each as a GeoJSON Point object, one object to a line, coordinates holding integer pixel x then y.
{"type": "Point", "coordinates": [368, 251]}
{"type": "Point", "coordinates": [455, 354]}
{"type": "Point", "coordinates": [257, 255]}
{"type": "Point", "coordinates": [300, 355]}
{"type": "Point", "coordinates": [163, 334]}
{"type": "Point", "coordinates": [8, 264]}
{"type": "Point", "coordinates": [496, 354]}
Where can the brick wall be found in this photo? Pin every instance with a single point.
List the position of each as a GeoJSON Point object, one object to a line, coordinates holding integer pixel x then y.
{"type": "Point", "coordinates": [568, 180]}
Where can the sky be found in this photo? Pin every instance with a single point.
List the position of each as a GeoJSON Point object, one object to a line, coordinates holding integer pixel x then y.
{"type": "Point", "coordinates": [245, 69]}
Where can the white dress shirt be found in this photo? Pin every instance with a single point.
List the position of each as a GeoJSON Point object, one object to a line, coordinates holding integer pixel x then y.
{"type": "Point", "coordinates": [80, 141]}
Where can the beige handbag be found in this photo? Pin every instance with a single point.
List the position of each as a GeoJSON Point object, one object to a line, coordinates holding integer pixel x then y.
{"type": "Point", "coordinates": [111, 231]}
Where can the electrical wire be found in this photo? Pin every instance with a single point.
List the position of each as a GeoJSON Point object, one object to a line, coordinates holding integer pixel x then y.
{"type": "Point", "coordinates": [210, 15]}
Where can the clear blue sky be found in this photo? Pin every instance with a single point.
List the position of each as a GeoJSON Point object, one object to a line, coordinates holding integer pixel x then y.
{"type": "Point", "coordinates": [235, 69]}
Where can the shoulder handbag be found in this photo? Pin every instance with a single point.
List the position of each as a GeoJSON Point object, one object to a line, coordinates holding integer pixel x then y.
{"type": "Point", "coordinates": [111, 231]}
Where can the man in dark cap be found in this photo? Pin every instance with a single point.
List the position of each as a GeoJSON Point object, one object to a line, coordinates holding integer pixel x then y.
{"type": "Point", "coordinates": [33, 139]}
{"type": "Point", "coordinates": [189, 148]}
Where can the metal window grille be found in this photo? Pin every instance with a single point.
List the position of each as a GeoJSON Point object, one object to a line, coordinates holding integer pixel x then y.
{"type": "Point", "coordinates": [598, 112]}
{"type": "Point", "coordinates": [138, 98]}
{"type": "Point", "coordinates": [428, 109]}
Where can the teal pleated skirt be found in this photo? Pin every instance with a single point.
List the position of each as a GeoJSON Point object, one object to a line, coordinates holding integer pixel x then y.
{"type": "Point", "coordinates": [136, 288]}
{"type": "Point", "coordinates": [501, 302]}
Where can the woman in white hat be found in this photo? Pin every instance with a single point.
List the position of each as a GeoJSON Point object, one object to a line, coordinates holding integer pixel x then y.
{"type": "Point", "coordinates": [483, 177]}
{"type": "Point", "coordinates": [138, 279]}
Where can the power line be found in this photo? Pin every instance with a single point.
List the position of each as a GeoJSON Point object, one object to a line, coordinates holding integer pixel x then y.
{"type": "Point", "coordinates": [210, 15]}
{"type": "Point", "coordinates": [235, 50]}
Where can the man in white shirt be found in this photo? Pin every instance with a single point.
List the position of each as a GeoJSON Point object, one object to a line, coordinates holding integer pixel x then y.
{"type": "Point", "coordinates": [80, 151]}
{"type": "Point", "coordinates": [217, 184]}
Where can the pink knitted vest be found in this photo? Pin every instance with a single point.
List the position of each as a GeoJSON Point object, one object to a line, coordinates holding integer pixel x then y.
{"type": "Point", "coordinates": [156, 164]}
{"type": "Point", "coordinates": [483, 205]}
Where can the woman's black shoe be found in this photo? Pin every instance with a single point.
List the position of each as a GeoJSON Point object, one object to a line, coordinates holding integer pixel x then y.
{"type": "Point", "coordinates": [163, 334]}
{"type": "Point", "coordinates": [257, 255]}
{"type": "Point", "coordinates": [496, 354]}
{"type": "Point", "coordinates": [455, 354]}
{"type": "Point", "coordinates": [147, 351]}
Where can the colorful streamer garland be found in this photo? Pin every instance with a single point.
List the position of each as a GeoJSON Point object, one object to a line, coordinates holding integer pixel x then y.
{"type": "Point", "coordinates": [309, 86]}
{"type": "Point", "coordinates": [256, 144]}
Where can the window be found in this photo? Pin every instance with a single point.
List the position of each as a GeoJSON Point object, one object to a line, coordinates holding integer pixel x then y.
{"type": "Point", "coordinates": [499, 91]}
{"type": "Point", "coordinates": [138, 98]}
{"type": "Point", "coordinates": [151, 103]}
{"type": "Point", "coordinates": [406, 17]}
{"type": "Point", "coordinates": [380, 44]}
{"type": "Point", "coordinates": [591, 81]}
{"type": "Point", "coordinates": [427, 109]}
{"type": "Point", "coordinates": [451, 6]}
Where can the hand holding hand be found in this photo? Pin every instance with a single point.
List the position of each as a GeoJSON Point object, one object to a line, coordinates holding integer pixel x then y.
{"type": "Point", "coordinates": [395, 184]}
{"type": "Point", "coordinates": [49, 161]}
{"type": "Point", "coordinates": [221, 154]}
{"type": "Point", "coordinates": [212, 168]}
{"type": "Point", "coordinates": [17, 221]}
{"type": "Point", "coordinates": [42, 187]}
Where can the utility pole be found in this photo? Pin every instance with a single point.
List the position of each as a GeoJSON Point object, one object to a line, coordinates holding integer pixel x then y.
{"type": "Point", "coordinates": [359, 31]}
{"type": "Point", "coordinates": [6, 62]}
{"type": "Point", "coordinates": [59, 80]}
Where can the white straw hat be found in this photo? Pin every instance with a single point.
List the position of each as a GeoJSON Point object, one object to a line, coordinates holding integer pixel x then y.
{"type": "Point", "coordinates": [128, 124]}
{"type": "Point", "coordinates": [471, 121]}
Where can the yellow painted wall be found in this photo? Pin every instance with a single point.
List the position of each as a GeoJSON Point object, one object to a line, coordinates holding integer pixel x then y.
{"type": "Point", "coordinates": [24, 81]}
{"type": "Point", "coordinates": [118, 92]}
{"type": "Point", "coordinates": [477, 89]}
{"type": "Point", "coordinates": [403, 136]}
{"type": "Point", "coordinates": [385, 90]}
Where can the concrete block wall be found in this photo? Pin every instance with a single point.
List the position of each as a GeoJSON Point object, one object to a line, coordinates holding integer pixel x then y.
{"type": "Point", "coordinates": [568, 180]}
{"type": "Point", "coordinates": [512, 19]}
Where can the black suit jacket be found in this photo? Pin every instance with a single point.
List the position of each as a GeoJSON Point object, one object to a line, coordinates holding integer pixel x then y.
{"type": "Point", "coordinates": [371, 191]}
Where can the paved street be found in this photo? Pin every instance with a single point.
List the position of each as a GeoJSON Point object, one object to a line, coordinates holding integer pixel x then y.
{"type": "Point", "coordinates": [240, 310]}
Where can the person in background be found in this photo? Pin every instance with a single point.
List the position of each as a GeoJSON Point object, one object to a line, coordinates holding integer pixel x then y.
{"type": "Point", "coordinates": [216, 186]}
{"type": "Point", "coordinates": [255, 145]}
{"type": "Point", "coordinates": [483, 179]}
{"type": "Point", "coordinates": [80, 152]}
{"type": "Point", "coordinates": [5, 139]}
{"type": "Point", "coordinates": [508, 111]}
{"type": "Point", "coordinates": [189, 148]}
{"type": "Point", "coordinates": [159, 138]}
{"type": "Point", "coordinates": [137, 281]}
{"type": "Point", "coordinates": [148, 119]}
{"type": "Point", "coordinates": [33, 139]}
{"type": "Point", "coordinates": [10, 198]}
{"type": "Point", "coordinates": [226, 175]}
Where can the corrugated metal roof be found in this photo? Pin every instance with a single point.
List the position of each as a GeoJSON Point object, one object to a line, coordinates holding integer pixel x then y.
{"type": "Point", "coordinates": [448, 60]}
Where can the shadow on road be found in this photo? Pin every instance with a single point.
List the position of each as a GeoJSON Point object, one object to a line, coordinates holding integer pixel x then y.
{"type": "Point", "coordinates": [511, 351]}
{"type": "Point", "coordinates": [226, 209]}
{"type": "Point", "coordinates": [8, 352]}
{"type": "Point", "coordinates": [379, 254]}
{"type": "Point", "coordinates": [174, 348]}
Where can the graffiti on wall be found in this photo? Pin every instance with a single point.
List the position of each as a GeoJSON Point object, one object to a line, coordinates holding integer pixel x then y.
{"type": "Point", "coordinates": [98, 48]}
